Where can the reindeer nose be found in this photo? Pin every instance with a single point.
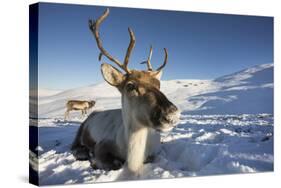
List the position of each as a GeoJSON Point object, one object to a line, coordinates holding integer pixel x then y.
{"type": "Point", "coordinates": [171, 114]}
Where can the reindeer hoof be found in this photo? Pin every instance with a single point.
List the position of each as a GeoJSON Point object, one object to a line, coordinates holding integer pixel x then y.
{"type": "Point", "coordinates": [149, 159]}
{"type": "Point", "coordinates": [94, 166]}
{"type": "Point", "coordinates": [117, 164]}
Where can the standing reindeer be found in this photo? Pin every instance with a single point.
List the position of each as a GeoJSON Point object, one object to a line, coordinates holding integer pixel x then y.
{"type": "Point", "coordinates": [78, 105]}
{"type": "Point", "coordinates": [129, 135]}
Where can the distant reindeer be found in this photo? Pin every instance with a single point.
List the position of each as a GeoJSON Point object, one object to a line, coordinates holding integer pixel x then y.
{"type": "Point", "coordinates": [129, 135]}
{"type": "Point", "coordinates": [78, 105]}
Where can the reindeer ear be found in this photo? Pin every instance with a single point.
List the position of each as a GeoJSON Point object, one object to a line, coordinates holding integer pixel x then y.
{"type": "Point", "coordinates": [112, 75]}
{"type": "Point", "coordinates": [157, 74]}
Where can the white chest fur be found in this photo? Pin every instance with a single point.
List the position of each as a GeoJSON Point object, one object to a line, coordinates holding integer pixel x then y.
{"type": "Point", "coordinates": [102, 127]}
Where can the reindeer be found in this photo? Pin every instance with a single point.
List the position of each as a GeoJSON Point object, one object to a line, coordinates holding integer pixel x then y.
{"type": "Point", "coordinates": [129, 136]}
{"type": "Point", "coordinates": [78, 105]}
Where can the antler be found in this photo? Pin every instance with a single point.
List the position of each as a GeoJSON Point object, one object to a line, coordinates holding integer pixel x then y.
{"type": "Point", "coordinates": [148, 62]}
{"type": "Point", "coordinates": [149, 67]}
{"type": "Point", "coordinates": [94, 27]}
{"type": "Point", "coordinates": [130, 47]}
{"type": "Point", "coordinates": [165, 60]}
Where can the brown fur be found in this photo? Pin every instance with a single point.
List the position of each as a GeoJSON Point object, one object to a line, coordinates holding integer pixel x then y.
{"type": "Point", "coordinates": [144, 77]}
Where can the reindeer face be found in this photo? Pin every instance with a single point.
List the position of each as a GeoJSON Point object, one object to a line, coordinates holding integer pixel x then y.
{"type": "Point", "coordinates": [92, 104]}
{"type": "Point", "coordinates": [142, 99]}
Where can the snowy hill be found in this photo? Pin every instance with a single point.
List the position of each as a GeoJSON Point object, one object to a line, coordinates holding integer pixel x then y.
{"type": "Point", "coordinates": [247, 91]}
{"type": "Point", "coordinates": [226, 127]}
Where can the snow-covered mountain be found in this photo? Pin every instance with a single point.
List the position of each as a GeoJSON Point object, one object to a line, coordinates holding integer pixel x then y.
{"type": "Point", "coordinates": [226, 127]}
{"type": "Point", "coordinates": [247, 91]}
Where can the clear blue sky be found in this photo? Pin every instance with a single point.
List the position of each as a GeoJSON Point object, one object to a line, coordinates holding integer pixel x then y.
{"type": "Point", "coordinates": [200, 45]}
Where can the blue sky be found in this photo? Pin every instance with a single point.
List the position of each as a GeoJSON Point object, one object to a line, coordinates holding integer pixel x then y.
{"type": "Point", "coordinates": [200, 45]}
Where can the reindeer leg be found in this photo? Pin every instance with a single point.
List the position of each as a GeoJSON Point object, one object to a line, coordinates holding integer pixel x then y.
{"type": "Point", "coordinates": [107, 156]}
{"type": "Point", "coordinates": [81, 152]}
{"type": "Point", "coordinates": [66, 115]}
{"type": "Point", "coordinates": [82, 114]}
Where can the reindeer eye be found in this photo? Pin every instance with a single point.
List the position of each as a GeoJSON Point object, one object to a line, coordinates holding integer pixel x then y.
{"type": "Point", "coordinates": [130, 87]}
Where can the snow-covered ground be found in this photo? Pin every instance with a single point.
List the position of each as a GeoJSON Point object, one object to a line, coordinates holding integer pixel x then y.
{"type": "Point", "coordinates": [226, 127]}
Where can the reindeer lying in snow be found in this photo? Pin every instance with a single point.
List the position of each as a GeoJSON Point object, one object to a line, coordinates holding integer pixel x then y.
{"type": "Point", "coordinates": [129, 135]}
{"type": "Point", "coordinates": [78, 105]}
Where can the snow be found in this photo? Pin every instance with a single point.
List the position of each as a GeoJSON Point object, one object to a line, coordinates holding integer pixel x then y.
{"type": "Point", "coordinates": [226, 127]}
{"type": "Point", "coordinates": [43, 92]}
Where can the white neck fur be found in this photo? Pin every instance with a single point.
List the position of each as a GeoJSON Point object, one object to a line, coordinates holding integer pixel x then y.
{"type": "Point", "coordinates": [136, 137]}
